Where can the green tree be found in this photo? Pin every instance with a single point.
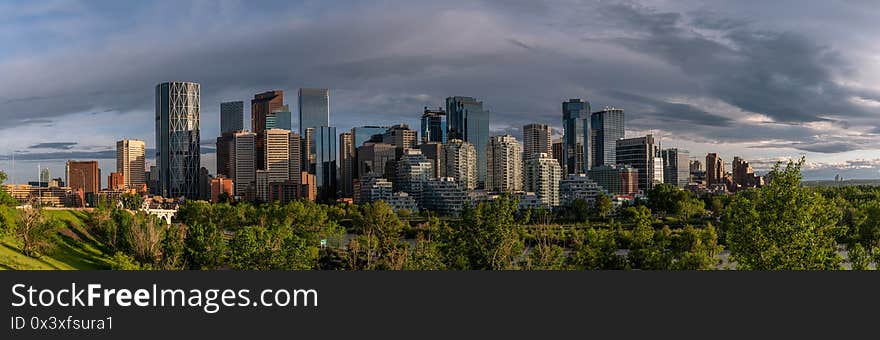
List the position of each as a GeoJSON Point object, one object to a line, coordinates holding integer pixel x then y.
{"type": "Point", "coordinates": [5, 198]}
{"type": "Point", "coordinates": [204, 246]}
{"type": "Point", "coordinates": [173, 248]}
{"type": "Point", "coordinates": [382, 229]}
{"type": "Point", "coordinates": [595, 249]}
{"type": "Point", "coordinates": [487, 237]}
{"type": "Point", "coordinates": [131, 201]}
{"type": "Point", "coordinates": [579, 211]}
{"type": "Point", "coordinates": [144, 235]}
{"type": "Point", "coordinates": [604, 206]}
{"type": "Point", "coordinates": [35, 230]}
{"type": "Point", "coordinates": [783, 226]}
{"type": "Point", "coordinates": [858, 257]}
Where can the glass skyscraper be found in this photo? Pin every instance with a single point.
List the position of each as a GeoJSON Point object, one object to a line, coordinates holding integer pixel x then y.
{"type": "Point", "coordinates": [325, 143]}
{"type": "Point", "coordinates": [177, 139]}
{"type": "Point", "coordinates": [576, 136]}
{"type": "Point", "coordinates": [363, 134]}
{"type": "Point", "coordinates": [608, 127]}
{"type": "Point", "coordinates": [314, 108]}
{"type": "Point", "coordinates": [468, 121]}
{"type": "Point", "coordinates": [279, 119]}
{"type": "Point", "coordinates": [433, 126]}
{"type": "Point", "coordinates": [231, 116]}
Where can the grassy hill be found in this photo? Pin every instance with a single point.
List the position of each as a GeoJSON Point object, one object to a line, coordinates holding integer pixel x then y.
{"type": "Point", "coordinates": [75, 247]}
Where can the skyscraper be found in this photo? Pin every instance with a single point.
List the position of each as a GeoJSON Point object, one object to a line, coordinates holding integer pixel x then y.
{"type": "Point", "coordinates": [279, 119]}
{"type": "Point", "coordinates": [262, 105]}
{"type": "Point", "coordinates": [177, 138]}
{"type": "Point", "coordinates": [402, 137]}
{"type": "Point", "coordinates": [468, 121]}
{"type": "Point", "coordinates": [372, 159]}
{"type": "Point", "coordinates": [347, 152]}
{"type": "Point", "coordinates": [559, 151]}
{"type": "Point", "coordinates": [314, 109]}
{"type": "Point", "coordinates": [639, 153]}
{"type": "Point", "coordinates": [608, 127]}
{"type": "Point", "coordinates": [325, 141]}
{"type": "Point", "coordinates": [243, 160]}
{"type": "Point", "coordinates": [434, 126]}
{"type": "Point", "coordinates": [505, 165]}
{"type": "Point", "coordinates": [231, 116]}
{"type": "Point", "coordinates": [714, 169]}
{"type": "Point", "coordinates": [542, 177]}
{"type": "Point", "coordinates": [278, 155]}
{"type": "Point", "coordinates": [676, 167]}
{"type": "Point", "coordinates": [224, 151]}
{"type": "Point", "coordinates": [130, 163]}
{"type": "Point", "coordinates": [458, 159]}
{"type": "Point", "coordinates": [83, 175]}
{"type": "Point", "coordinates": [536, 139]}
{"type": "Point", "coordinates": [432, 151]}
{"type": "Point", "coordinates": [576, 136]}
{"type": "Point", "coordinates": [616, 179]}
{"type": "Point", "coordinates": [413, 171]}
{"type": "Point", "coordinates": [295, 158]}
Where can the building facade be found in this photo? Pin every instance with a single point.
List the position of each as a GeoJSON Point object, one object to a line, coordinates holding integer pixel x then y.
{"type": "Point", "coordinates": [676, 163]}
{"type": "Point", "coordinates": [244, 162]}
{"type": "Point", "coordinates": [469, 121]}
{"type": "Point", "coordinates": [576, 136]}
{"type": "Point", "coordinates": [536, 140]}
{"type": "Point", "coordinates": [432, 151]}
{"type": "Point", "coordinates": [177, 138]}
{"type": "Point", "coordinates": [616, 179]}
{"type": "Point", "coordinates": [347, 160]}
{"type": "Point", "coordinates": [261, 106]}
{"type": "Point", "coordinates": [314, 108]}
{"type": "Point", "coordinates": [231, 116]}
{"type": "Point", "coordinates": [578, 186]}
{"type": "Point", "coordinates": [714, 169]}
{"type": "Point", "coordinates": [444, 196]}
{"type": "Point", "coordinates": [640, 153]}
{"type": "Point", "coordinates": [608, 127]}
{"type": "Point", "coordinates": [505, 165]}
{"type": "Point", "coordinates": [413, 170]}
{"type": "Point", "coordinates": [458, 159]}
{"type": "Point", "coordinates": [278, 155]}
{"type": "Point", "coordinates": [542, 177]}
{"type": "Point", "coordinates": [325, 168]}
{"type": "Point", "coordinates": [433, 126]}
{"type": "Point", "coordinates": [130, 159]}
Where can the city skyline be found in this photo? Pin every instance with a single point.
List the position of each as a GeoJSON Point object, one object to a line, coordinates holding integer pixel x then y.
{"type": "Point", "coordinates": [64, 121]}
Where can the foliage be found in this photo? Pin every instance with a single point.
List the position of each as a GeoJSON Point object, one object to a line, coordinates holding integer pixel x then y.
{"type": "Point", "coordinates": [35, 231]}
{"type": "Point", "coordinates": [488, 237]}
{"type": "Point", "coordinates": [603, 206]}
{"type": "Point", "coordinates": [204, 246]}
{"type": "Point", "coordinates": [783, 226]}
{"type": "Point", "coordinates": [5, 198]}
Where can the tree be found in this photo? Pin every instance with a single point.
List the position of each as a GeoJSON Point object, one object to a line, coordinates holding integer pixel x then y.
{"type": "Point", "coordinates": [173, 249]}
{"type": "Point", "coordinates": [782, 226]}
{"type": "Point", "coordinates": [35, 230]}
{"type": "Point", "coordinates": [579, 210]}
{"type": "Point", "coordinates": [858, 257]}
{"type": "Point", "coordinates": [5, 198]}
{"type": "Point", "coordinates": [595, 249]}
{"type": "Point", "coordinates": [546, 254]}
{"type": "Point", "coordinates": [604, 206]}
{"type": "Point", "coordinates": [488, 237]}
{"type": "Point", "coordinates": [131, 201]}
{"type": "Point", "coordinates": [204, 246]}
{"type": "Point", "coordinates": [382, 229]}
{"type": "Point", "coordinates": [145, 234]}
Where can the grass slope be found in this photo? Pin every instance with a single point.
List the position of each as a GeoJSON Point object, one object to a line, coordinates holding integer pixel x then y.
{"type": "Point", "coordinates": [75, 247]}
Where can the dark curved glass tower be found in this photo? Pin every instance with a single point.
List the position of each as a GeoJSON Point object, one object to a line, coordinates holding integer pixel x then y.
{"type": "Point", "coordinates": [177, 139]}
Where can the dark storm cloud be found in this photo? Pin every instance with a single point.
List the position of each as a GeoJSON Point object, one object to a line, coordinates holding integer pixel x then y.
{"type": "Point", "coordinates": [663, 112]}
{"type": "Point", "coordinates": [54, 145]}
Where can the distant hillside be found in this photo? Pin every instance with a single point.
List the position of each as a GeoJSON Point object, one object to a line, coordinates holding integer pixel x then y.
{"type": "Point", "coordinates": [76, 247]}
{"type": "Point", "coordinates": [844, 183]}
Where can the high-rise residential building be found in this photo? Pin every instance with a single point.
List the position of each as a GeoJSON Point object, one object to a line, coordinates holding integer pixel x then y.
{"type": "Point", "coordinates": [373, 159]}
{"type": "Point", "coordinates": [536, 140]}
{"type": "Point", "coordinates": [576, 136]}
{"type": "Point", "coordinates": [347, 161]}
{"type": "Point", "coordinates": [542, 177]}
{"type": "Point", "coordinates": [278, 155]}
{"type": "Point", "coordinates": [559, 151]}
{"type": "Point", "coordinates": [413, 170]}
{"type": "Point", "coordinates": [295, 158]}
{"type": "Point", "coordinates": [432, 151]}
{"type": "Point", "coordinates": [224, 150]}
{"type": "Point", "coordinates": [658, 171]}
{"type": "Point", "coordinates": [607, 127]}
{"type": "Point", "coordinates": [640, 153]}
{"type": "Point", "coordinates": [578, 187]}
{"type": "Point", "coordinates": [262, 185]}
{"type": "Point", "coordinates": [458, 159]}
{"type": "Point", "coordinates": [219, 186]}
{"type": "Point", "coordinates": [84, 176]}
{"type": "Point", "coordinates": [444, 196]}
{"type": "Point", "coordinates": [262, 105]}
{"type": "Point", "coordinates": [402, 137]}
{"type": "Point", "coordinates": [115, 181]}
{"type": "Point", "coordinates": [434, 126]}
{"type": "Point", "coordinates": [279, 119]}
{"type": "Point", "coordinates": [374, 189]}
{"type": "Point", "coordinates": [505, 165]}
{"type": "Point", "coordinates": [469, 121]}
{"type": "Point", "coordinates": [177, 138]}
{"type": "Point", "coordinates": [714, 169]}
{"type": "Point", "coordinates": [130, 158]}
{"type": "Point", "coordinates": [402, 200]}
{"type": "Point", "coordinates": [616, 179]}
{"type": "Point", "coordinates": [676, 167]}
{"type": "Point", "coordinates": [314, 108]}
{"type": "Point", "coordinates": [244, 162]}
{"type": "Point", "coordinates": [231, 116]}
{"type": "Point", "coordinates": [325, 140]}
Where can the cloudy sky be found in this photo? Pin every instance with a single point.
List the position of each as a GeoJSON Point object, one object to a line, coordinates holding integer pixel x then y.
{"type": "Point", "coordinates": [762, 81]}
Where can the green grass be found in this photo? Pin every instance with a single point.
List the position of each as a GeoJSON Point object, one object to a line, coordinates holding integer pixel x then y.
{"type": "Point", "coordinates": [75, 247]}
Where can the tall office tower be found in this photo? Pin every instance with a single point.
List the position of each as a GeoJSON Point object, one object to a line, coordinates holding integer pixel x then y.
{"type": "Point", "coordinates": [279, 119]}
{"type": "Point", "coordinates": [468, 121]}
{"type": "Point", "coordinates": [505, 165]}
{"type": "Point", "coordinates": [85, 176]}
{"type": "Point", "coordinates": [261, 180]}
{"type": "Point", "coordinates": [372, 159]}
{"type": "Point", "coordinates": [231, 116]}
{"type": "Point", "coordinates": [295, 158]}
{"type": "Point", "coordinates": [676, 167]}
{"type": "Point", "coordinates": [243, 160]}
{"type": "Point", "coordinates": [177, 138]}
{"type": "Point", "coordinates": [262, 106]}
{"type": "Point", "coordinates": [458, 159]}
{"type": "Point", "coordinates": [542, 177]}
{"type": "Point", "coordinates": [314, 108]}
{"type": "Point", "coordinates": [743, 174]}
{"type": "Point", "coordinates": [224, 149]}
{"type": "Point", "coordinates": [413, 170]}
{"type": "Point", "coordinates": [204, 184]}
{"type": "Point", "coordinates": [576, 136]}
{"type": "Point", "coordinates": [434, 126]}
{"type": "Point", "coordinates": [347, 161]}
{"type": "Point", "coordinates": [696, 166]}
{"type": "Point", "coordinates": [130, 163]}
{"type": "Point", "coordinates": [432, 151]}
{"type": "Point", "coordinates": [639, 153]}
{"type": "Point", "coordinates": [536, 139]}
{"type": "Point", "coordinates": [278, 155]}
{"type": "Point", "coordinates": [616, 179]}
{"type": "Point", "coordinates": [658, 171]}
{"type": "Point", "coordinates": [308, 151]}
{"type": "Point", "coordinates": [608, 127]}
{"type": "Point", "coordinates": [325, 145]}
{"type": "Point", "coordinates": [559, 151]}
{"type": "Point", "coordinates": [714, 169]}
{"type": "Point", "coordinates": [402, 137]}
